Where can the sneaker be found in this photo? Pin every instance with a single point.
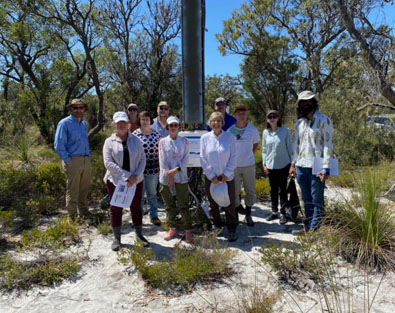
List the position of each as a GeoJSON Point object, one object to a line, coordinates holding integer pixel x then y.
{"type": "Point", "coordinates": [298, 232]}
{"type": "Point", "coordinates": [156, 221]}
{"type": "Point", "coordinates": [240, 210]}
{"type": "Point", "coordinates": [232, 236]}
{"type": "Point", "coordinates": [283, 219]}
{"type": "Point", "coordinates": [171, 233]}
{"type": "Point", "coordinates": [272, 217]}
{"type": "Point", "coordinates": [188, 236]}
{"type": "Point", "coordinates": [249, 221]}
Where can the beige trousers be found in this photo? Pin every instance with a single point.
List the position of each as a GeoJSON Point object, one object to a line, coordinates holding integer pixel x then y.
{"type": "Point", "coordinates": [78, 184]}
{"type": "Point", "coordinates": [247, 176]}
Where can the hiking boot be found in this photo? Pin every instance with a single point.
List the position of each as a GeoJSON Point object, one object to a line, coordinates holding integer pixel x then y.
{"type": "Point", "coordinates": [283, 219]}
{"type": "Point", "coordinates": [116, 244]}
{"type": "Point", "coordinates": [272, 217]}
{"type": "Point", "coordinates": [171, 233]}
{"type": "Point", "coordinates": [232, 236]}
{"type": "Point", "coordinates": [249, 221]}
{"type": "Point", "coordinates": [140, 237]}
{"type": "Point", "coordinates": [156, 221]}
{"type": "Point", "coordinates": [240, 210]}
{"type": "Point", "coordinates": [188, 236]}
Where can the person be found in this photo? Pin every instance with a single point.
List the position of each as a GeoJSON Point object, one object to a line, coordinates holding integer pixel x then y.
{"type": "Point", "coordinates": [313, 138]}
{"type": "Point", "coordinates": [160, 122]}
{"type": "Point", "coordinates": [173, 178]}
{"type": "Point", "coordinates": [220, 105]}
{"type": "Point", "coordinates": [218, 159]}
{"type": "Point", "coordinates": [124, 159]}
{"type": "Point", "coordinates": [150, 140]}
{"type": "Point", "coordinates": [72, 146]}
{"type": "Point", "coordinates": [133, 112]}
{"type": "Point", "coordinates": [247, 143]}
{"type": "Point", "coordinates": [276, 159]}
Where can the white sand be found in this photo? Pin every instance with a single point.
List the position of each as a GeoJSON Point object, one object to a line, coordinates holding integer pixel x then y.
{"type": "Point", "coordinates": [104, 285]}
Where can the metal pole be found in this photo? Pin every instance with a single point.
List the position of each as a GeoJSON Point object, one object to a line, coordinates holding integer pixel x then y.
{"type": "Point", "coordinates": [192, 29]}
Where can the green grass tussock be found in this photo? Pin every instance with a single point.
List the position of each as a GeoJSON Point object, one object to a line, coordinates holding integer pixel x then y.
{"type": "Point", "coordinates": [262, 189]}
{"type": "Point", "coordinates": [203, 261]}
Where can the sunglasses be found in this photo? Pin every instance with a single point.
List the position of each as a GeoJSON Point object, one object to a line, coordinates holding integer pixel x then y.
{"type": "Point", "coordinates": [132, 109]}
{"type": "Point", "coordinates": [238, 137]}
{"type": "Point", "coordinates": [78, 108]}
{"type": "Point", "coordinates": [163, 109]}
{"type": "Point", "coordinates": [173, 125]}
{"type": "Point", "coordinates": [271, 117]}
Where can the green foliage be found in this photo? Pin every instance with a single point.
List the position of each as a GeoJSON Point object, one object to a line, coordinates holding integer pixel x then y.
{"type": "Point", "coordinates": [189, 265]}
{"type": "Point", "coordinates": [345, 180]}
{"type": "Point", "coordinates": [104, 228]}
{"type": "Point", "coordinates": [43, 205]}
{"type": "Point", "coordinates": [22, 275]}
{"type": "Point", "coordinates": [98, 188]}
{"type": "Point", "coordinates": [262, 189]}
{"type": "Point", "coordinates": [50, 179]}
{"type": "Point", "coordinates": [308, 256]}
{"type": "Point", "coordinates": [366, 225]}
{"type": "Point", "coordinates": [61, 233]}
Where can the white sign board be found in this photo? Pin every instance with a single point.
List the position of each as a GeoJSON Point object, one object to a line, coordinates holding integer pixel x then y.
{"type": "Point", "coordinates": [123, 195]}
{"type": "Point", "coordinates": [194, 145]}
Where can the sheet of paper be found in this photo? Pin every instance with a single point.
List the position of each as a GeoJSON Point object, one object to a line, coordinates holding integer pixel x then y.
{"type": "Point", "coordinates": [205, 207]}
{"type": "Point", "coordinates": [123, 195]}
{"type": "Point", "coordinates": [318, 166]}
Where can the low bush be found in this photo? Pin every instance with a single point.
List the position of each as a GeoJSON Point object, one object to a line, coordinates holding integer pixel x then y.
{"type": "Point", "coordinates": [22, 275]}
{"type": "Point", "coordinates": [308, 256]}
{"type": "Point", "coordinates": [98, 188]}
{"type": "Point", "coordinates": [203, 261]}
{"type": "Point", "coordinates": [257, 301]}
{"type": "Point", "coordinates": [262, 189]}
{"type": "Point", "coordinates": [104, 228]}
{"type": "Point", "coordinates": [61, 233]}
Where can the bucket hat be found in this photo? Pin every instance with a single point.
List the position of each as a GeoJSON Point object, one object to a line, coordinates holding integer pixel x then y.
{"type": "Point", "coordinates": [219, 192]}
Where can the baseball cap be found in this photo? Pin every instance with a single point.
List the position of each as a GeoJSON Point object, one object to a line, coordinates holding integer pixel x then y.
{"type": "Point", "coordinates": [219, 192]}
{"type": "Point", "coordinates": [133, 105]}
{"type": "Point", "coordinates": [173, 119]}
{"type": "Point", "coordinates": [220, 99]}
{"type": "Point", "coordinates": [120, 116]}
{"type": "Point", "coordinates": [274, 112]}
{"type": "Point", "coordinates": [241, 108]}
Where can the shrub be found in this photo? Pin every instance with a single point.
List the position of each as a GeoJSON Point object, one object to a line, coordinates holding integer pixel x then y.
{"type": "Point", "coordinates": [366, 226]}
{"type": "Point", "coordinates": [50, 179]}
{"type": "Point", "coordinates": [61, 233]}
{"type": "Point", "coordinates": [262, 189]}
{"type": "Point", "coordinates": [22, 275]}
{"type": "Point", "coordinates": [44, 205]}
{"type": "Point", "coordinates": [188, 265]}
{"type": "Point", "coordinates": [98, 189]}
{"type": "Point", "coordinates": [104, 228]}
{"type": "Point", "coordinates": [256, 301]}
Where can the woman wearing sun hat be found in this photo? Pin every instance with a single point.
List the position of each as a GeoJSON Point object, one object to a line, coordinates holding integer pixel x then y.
{"type": "Point", "coordinates": [173, 178]}
{"type": "Point", "coordinates": [276, 159]}
{"type": "Point", "coordinates": [218, 159]}
{"type": "Point", "coordinates": [124, 159]}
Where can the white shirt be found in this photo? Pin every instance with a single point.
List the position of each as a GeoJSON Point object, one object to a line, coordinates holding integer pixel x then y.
{"type": "Point", "coordinates": [113, 159]}
{"type": "Point", "coordinates": [172, 154]}
{"type": "Point", "coordinates": [313, 138]}
{"type": "Point", "coordinates": [245, 144]}
{"type": "Point", "coordinates": [218, 154]}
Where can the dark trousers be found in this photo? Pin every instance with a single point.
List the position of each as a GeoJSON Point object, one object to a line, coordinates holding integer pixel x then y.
{"type": "Point", "coordinates": [232, 218]}
{"type": "Point", "coordinates": [278, 182]}
{"type": "Point", "coordinates": [135, 207]}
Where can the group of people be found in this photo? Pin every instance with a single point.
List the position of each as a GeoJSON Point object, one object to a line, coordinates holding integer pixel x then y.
{"type": "Point", "coordinates": [146, 152]}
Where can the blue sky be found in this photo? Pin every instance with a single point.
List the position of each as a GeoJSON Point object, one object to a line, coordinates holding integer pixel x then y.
{"type": "Point", "coordinates": [219, 10]}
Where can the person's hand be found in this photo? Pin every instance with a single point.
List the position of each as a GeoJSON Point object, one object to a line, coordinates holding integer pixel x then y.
{"type": "Point", "coordinates": [224, 178]}
{"type": "Point", "coordinates": [69, 164]}
{"type": "Point", "coordinates": [132, 180]}
{"type": "Point", "coordinates": [215, 180]}
{"type": "Point", "coordinates": [265, 170]}
{"type": "Point", "coordinates": [322, 176]}
{"type": "Point", "coordinates": [170, 181]}
{"type": "Point", "coordinates": [292, 171]}
{"type": "Point", "coordinates": [172, 172]}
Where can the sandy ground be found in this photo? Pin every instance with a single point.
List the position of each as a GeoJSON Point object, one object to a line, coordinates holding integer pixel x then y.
{"type": "Point", "coordinates": [104, 285]}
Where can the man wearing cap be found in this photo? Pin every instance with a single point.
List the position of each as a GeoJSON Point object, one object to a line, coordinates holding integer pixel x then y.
{"type": "Point", "coordinates": [220, 106]}
{"type": "Point", "coordinates": [160, 122]}
{"type": "Point", "coordinates": [133, 112]}
{"type": "Point", "coordinates": [247, 143]}
{"type": "Point", "coordinates": [72, 145]}
{"type": "Point", "coordinates": [313, 138]}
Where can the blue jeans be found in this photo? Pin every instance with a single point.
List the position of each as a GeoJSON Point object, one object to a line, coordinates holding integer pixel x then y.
{"type": "Point", "coordinates": [312, 195]}
{"type": "Point", "coordinates": [150, 188]}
